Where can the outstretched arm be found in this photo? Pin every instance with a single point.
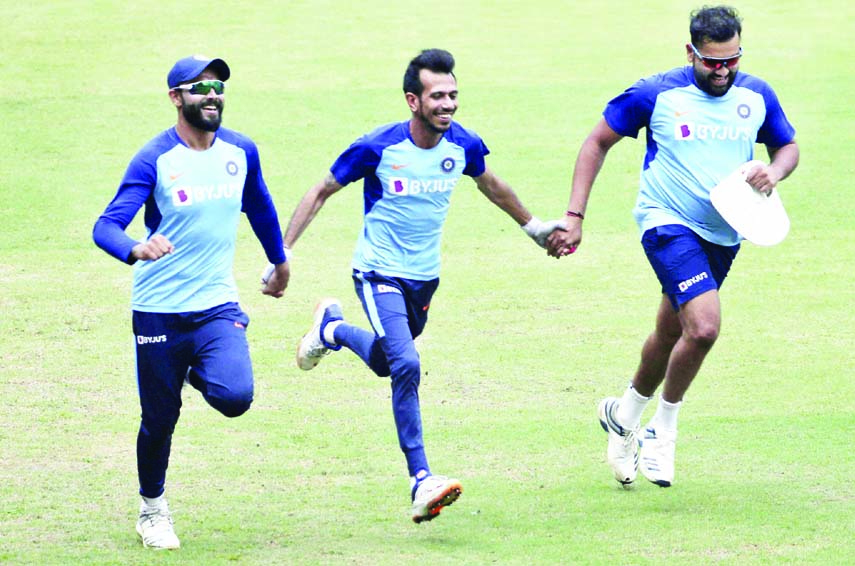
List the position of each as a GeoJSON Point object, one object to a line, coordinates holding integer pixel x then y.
{"type": "Point", "coordinates": [308, 207]}
{"type": "Point", "coordinates": [275, 277]}
{"type": "Point", "coordinates": [502, 195]}
{"type": "Point", "coordinates": [590, 160]}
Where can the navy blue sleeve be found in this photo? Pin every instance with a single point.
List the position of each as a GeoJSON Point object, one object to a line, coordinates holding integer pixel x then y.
{"type": "Point", "coordinates": [258, 206]}
{"type": "Point", "coordinates": [630, 111]}
{"type": "Point", "coordinates": [776, 130]}
{"type": "Point", "coordinates": [134, 191]}
{"type": "Point", "coordinates": [476, 150]}
{"type": "Point", "coordinates": [357, 161]}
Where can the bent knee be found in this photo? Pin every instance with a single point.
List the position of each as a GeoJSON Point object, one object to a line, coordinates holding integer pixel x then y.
{"type": "Point", "coordinates": [704, 335]}
{"type": "Point", "coordinates": [382, 371]}
{"type": "Point", "coordinates": [233, 405]}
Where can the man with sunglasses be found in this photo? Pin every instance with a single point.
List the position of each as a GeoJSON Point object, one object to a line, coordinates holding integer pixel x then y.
{"type": "Point", "coordinates": [702, 122]}
{"type": "Point", "coordinates": [194, 180]}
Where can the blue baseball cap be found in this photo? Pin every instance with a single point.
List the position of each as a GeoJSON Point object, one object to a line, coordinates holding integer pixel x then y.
{"type": "Point", "coordinates": [189, 68]}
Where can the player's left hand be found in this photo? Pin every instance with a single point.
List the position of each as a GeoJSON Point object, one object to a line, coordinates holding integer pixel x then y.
{"type": "Point", "coordinates": [539, 231]}
{"type": "Point", "coordinates": [762, 179]}
{"type": "Point", "coordinates": [275, 278]}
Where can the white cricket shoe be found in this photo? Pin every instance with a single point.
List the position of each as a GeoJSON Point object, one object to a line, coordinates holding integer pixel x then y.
{"type": "Point", "coordinates": [432, 494]}
{"type": "Point", "coordinates": [312, 346]}
{"type": "Point", "coordinates": [155, 528]}
{"type": "Point", "coordinates": [657, 455]}
{"type": "Point", "coordinates": [623, 446]}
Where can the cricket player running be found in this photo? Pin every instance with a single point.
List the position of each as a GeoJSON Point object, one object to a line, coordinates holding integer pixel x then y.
{"type": "Point", "coordinates": [409, 169]}
{"type": "Point", "coordinates": [702, 122]}
{"type": "Point", "coordinates": [194, 180]}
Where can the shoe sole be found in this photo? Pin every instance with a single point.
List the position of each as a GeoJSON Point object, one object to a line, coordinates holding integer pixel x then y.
{"type": "Point", "coordinates": [448, 496]}
{"type": "Point", "coordinates": [317, 316]}
{"type": "Point", "coordinates": [298, 360]}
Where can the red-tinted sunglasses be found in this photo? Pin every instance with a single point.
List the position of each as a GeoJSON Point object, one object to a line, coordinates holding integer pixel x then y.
{"type": "Point", "coordinates": [714, 63]}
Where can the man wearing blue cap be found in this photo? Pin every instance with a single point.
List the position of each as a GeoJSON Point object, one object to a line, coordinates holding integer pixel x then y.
{"type": "Point", "coordinates": [194, 180]}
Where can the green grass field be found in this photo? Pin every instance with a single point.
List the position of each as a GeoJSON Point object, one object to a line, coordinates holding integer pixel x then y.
{"type": "Point", "coordinates": [520, 347]}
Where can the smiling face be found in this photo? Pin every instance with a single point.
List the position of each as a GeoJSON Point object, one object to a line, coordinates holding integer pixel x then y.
{"type": "Point", "coordinates": [433, 110]}
{"type": "Point", "coordinates": [201, 111]}
{"type": "Point", "coordinates": [715, 82]}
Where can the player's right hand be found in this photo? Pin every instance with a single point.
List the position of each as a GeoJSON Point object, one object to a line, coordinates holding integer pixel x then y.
{"type": "Point", "coordinates": [155, 248]}
{"type": "Point", "coordinates": [564, 242]}
{"type": "Point", "coordinates": [275, 278]}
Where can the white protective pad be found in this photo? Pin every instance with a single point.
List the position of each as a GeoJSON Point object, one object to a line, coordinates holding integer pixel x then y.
{"type": "Point", "coordinates": [758, 218]}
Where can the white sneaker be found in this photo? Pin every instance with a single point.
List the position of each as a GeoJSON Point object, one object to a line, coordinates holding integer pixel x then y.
{"type": "Point", "coordinates": [434, 493]}
{"type": "Point", "coordinates": [623, 445]}
{"type": "Point", "coordinates": [155, 528]}
{"type": "Point", "coordinates": [657, 455]}
{"type": "Point", "coordinates": [312, 346]}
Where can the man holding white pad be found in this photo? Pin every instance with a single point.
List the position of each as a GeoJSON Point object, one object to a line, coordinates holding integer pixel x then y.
{"type": "Point", "coordinates": [702, 122]}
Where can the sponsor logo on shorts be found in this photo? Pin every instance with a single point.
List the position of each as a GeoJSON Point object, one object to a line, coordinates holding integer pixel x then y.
{"type": "Point", "coordinates": [141, 340]}
{"type": "Point", "coordinates": [684, 285]}
{"type": "Point", "coordinates": [381, 288]}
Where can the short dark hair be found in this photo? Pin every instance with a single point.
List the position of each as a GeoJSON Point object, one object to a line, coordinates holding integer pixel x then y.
{"type": "Point", "coordinates": [435, 60]}
{"type": "Point", "coordinates": [714, 23]}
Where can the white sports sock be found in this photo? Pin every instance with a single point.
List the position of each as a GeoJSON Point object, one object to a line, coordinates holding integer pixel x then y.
{"type": "Point", "coordinates": [155, 502]}
{"type": "Point", "coordinates": [631, 406]}
{"type": "Point", "coordinates": [329, 331]}
{"type": "Point", "coordinates": [666, 414]}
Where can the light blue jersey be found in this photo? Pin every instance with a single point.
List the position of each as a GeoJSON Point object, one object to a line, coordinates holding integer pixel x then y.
{"type": "Point", "coordinates": [694, 140]}
{"type": "Point", "coordinates": [407, 191]}
{"type": "Point", "coordinates": [193, 198]}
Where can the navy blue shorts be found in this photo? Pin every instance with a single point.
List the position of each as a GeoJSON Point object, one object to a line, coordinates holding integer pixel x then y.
{"type": "Point", "coordinates": [686, 264]}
